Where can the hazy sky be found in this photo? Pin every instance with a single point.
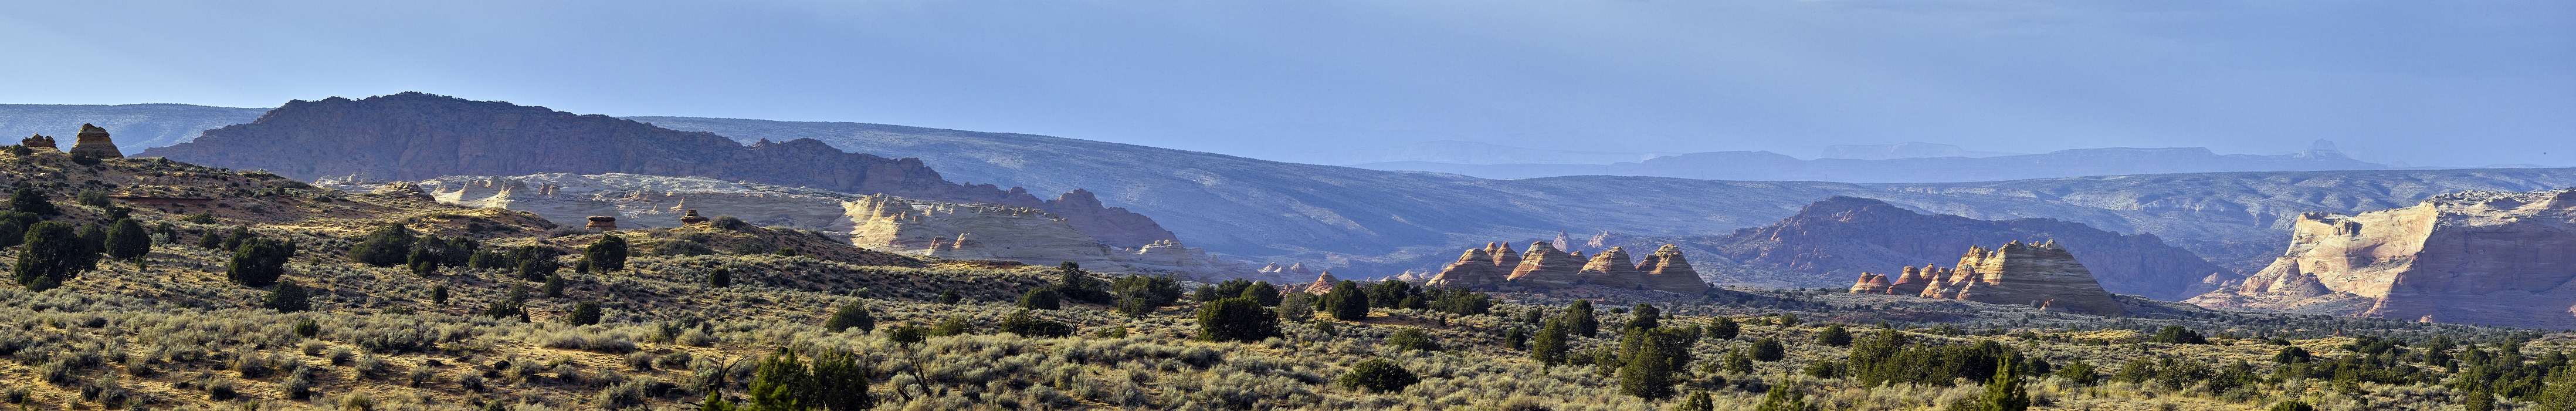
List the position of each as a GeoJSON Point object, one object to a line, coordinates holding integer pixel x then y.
{"type": "Point", "coordinates": [2456, 83]}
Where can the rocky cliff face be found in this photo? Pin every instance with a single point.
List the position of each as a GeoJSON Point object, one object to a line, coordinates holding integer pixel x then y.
{"type": "Point", "coordinates": [877, 222]}
{"type": "Point", "coordinates": [412, 136]}
{"type": "Point", "coordinates": [1842, 236]}
{"type": "Point", "coordinates": [2044, 275]}
{"type": "Point", "coordinates": [2492, 258]}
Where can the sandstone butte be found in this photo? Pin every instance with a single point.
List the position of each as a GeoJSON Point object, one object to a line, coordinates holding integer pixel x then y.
{"type": "Point", "coordinates": [2043, 275]}
{"type": "Point", "coordinates": [2478, 257]}
{"type": "Point", "coordinates": [95, 143]}
{"type": "Point", "coordinates": [1541, 268]}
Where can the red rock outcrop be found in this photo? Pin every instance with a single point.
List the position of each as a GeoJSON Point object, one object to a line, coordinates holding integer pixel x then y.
{"type": "Point", "coordinates": [1543, 268]}
{"type": "Point", "coordinates": [600, 222]}
{"type": "Point", "coordinates": [2491, 258]}
{"type": "Point", "coordinates": [1667, 270]}
{"type": "Point", "coordinates": [417, 136]}
{"type": "Point", "coordinates": [95, 143]}
{"type": "Point", "coordinates": [2043, 275]}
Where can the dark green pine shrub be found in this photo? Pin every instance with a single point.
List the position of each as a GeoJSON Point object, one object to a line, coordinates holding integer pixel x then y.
{"type": "Point", "coordinates": [585, 313]}
{"type": "Point", "coordinates": [1024, 323]}
{"type": "Point", "coordinates": [721, 278]}
{"type": "Point", "coordinates": [606, 255]}
{"type": "Point", "coordinates": [950, 297]}
{"type": "Point", "coordinates": [1647, 372]}
{"type": "Point", "coordinates": [127, 240]}
{"type": "Point", "coordinates": [1834, 335]}
{"type": "Point", "coordinates": [1550, 346]}
{"type": "Point", "coordinates": [1516, 339]}
{"type": "Point", "coordinates": [12, 233]}
{"type": "Point", "coordinates": [386, 246]}
{"type": "Point", "coordinates": [1139, 295]}
{"type": "Point", "coordinates": [1377, 375]}
{"type": "Point", "coordinates": [287, 297]}
{"type": "Point", "coordinates": [438, 294]}
{"type": "Point", "coordinates": [1072, 283]}
{"type": "Point", "coordinates": [1767, 350]}
{"type": "Point", "coordinates": [536, 263]}
{"type": "Point", "coordinates": [1237, 319]}
{"type": "Point", "coordinates": [50, 257]}
{"type": "Point", "coordinates": [2175, 334]}
{"type": "Point", "coordinates": [258, 262]}
{"type": "Point", "coordinates": [27, 200]}
{"type": "Point", "coordinates": [905, 334]}
{"type": "Point", "coordinates": [1044, 298]}
{"type": "Point", "coordinates": [1645, 317]}
{"type": "Point", "coordinates": [1346, 302]}
{"type": "Point", "coordinates": [1579, 319]}
{"type": "Point", "coordinates": [1263, 292]}
{"type": "Point", "coordinates": [851, 315]}
{"type": "Point", "coordinates": [1723, 329]}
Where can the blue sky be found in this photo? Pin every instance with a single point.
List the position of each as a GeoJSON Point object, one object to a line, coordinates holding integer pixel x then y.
{"type": "Point", "coordinates": [2427, 83]}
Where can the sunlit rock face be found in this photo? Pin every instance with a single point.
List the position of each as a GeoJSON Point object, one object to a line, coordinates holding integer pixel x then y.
{"type": "Point", "coordinates": [2479, 257]}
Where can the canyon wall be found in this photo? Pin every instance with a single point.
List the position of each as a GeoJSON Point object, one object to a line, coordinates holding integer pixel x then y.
{"type": "Point", "coordinates": [2479, 257]}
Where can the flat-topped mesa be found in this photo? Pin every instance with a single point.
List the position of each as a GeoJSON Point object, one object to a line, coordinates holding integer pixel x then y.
{"type": "Point", "coordinates": [1542, 266]}
{"type": "Point", "coordinates": [94, 143]}
{"type": "Point", "coordinates": [39, 142]}
{"type": "Point", "coordinates": [2041, 275]}
{"type": "Point", "coordinates": [1476, 269]}
{"type": "Point", "coordinates": [601, 222]}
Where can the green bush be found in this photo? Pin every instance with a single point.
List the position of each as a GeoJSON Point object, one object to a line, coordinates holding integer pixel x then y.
{"type": "Point", "coordinates": [1377, 375]}
{"type": "Point", "coordinates": [1579, 319]}
{"type": "Point", "coordinates": [258, 262]}
{"type": "Point", "coordinates": [386, 246]}
{"type": "Point", "coordinates": [50, 257]}
{"type": "Point", "coordinates": [1044, 298]}
{"type": "Point", "coordinates": [1767, 350]}
{"type": "Point", "coordinates": [27, 200]}
{"type": "Point", "coordinates": [287, 297]}
{"type": "Point", "coordinates": [127, 240]}
{"type": "Point", "coordinates": [584, 313]}
{"type": "Point", "coordinates": [606, 255]}
{"type": "Point", "coordinates": [1346, 302]}
{"type": "Point", "coordinates": [1834, 335]}
{"type": "Point", "coordinates": [1236, 319]}
{"type": "Point", "coordinates": [851, 315]}
{"type": "Point", "coordinates": [1723, 329]}
{"type": "Point", "coordinates": [1410, 339]}
{"type": "Point", "coordinates": [1024, 323]}
{"type": "Point", "coordinates": [721, 278]}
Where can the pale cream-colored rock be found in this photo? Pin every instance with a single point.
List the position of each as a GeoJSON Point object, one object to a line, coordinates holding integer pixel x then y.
{"type": "Point", "coordinates": [877, 222]}
{"type": "Point", "coordinates": [1667, 270]}
{"type": "Point", "coordinates": [2492, 258]}
{"type": "Point", "coordinates": [1323, 283]}
{"type": "Point", "coordinates": [1612, 268]}
{"type": "Point", "coordinates": [1542, 266]}
{"type": "Point", "coordinates": [1476, 269]}
{"type": "Point", "coordinates": [94, 142]}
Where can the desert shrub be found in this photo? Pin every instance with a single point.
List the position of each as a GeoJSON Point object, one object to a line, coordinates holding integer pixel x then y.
{"type": "Point", "coordinates": [1236, 319]}
{"type": "Point", "coordinates": [584, 313]}
{"type": "Point", "coordinates": [127, 240]}
{"type": "Point", "coordinates": [730, 223]}
{"type": "Point", "coordinates": [1297, 307]}
{"type": "Point", "coordinates": [1023, 323]}
{"type": "Point", "coordinates": [721, 278]}
{"type": "Point", "coordinates": [606, 255]}
{"type": "Point", "coordinates": [1767, 350]}
{"type": "Point", "coordinates": [258, 262]}
{"type": "Point", "coordinates": [2175, 334]}
{"type": "Point", "coordinates": [1724, 328]}
{"type": "Point", "coordinates": [1551, 345]}
{"type": "Point", "coordinates": [682, 248]}
{"type": "Point", "coordinates": [1834, 335]}
{"type": "Point", "coordinates": [51, 254]}
{"type": "Point", "coordinates": [851, 315]}
{"type": "Point", "coordinates": [385, 246]}
{"type": "Point", "coordinates": [27, 200]}
{"type": "Point", "coordinates": [1346, 302]}
{"type": "Point", "coordinates": [1138, 295]}
{"type": "Point", "coordinates": [1579, 319]}
{"type": "Point", "coordinates": [1411, 338]}
{"type": "Point", "coordinates": [1044, 298]}
{"type": "Point", "coordinates": [1377, 375]}
{"type": "Point", "coordinates": [287, 297]}
{"type": "Point", "coordinates": [905, 334]}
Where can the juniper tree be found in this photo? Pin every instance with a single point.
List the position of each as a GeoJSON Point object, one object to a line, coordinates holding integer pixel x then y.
{"type": "Point", "coordinates": [584, 313]}
{"type": "Point", "coordinates": [258, 262]}
{"type": "Point", "coordinates": [1647, 373]}
{"type": "Point", "coordinates": [1549, 347]}
{"type": "Point", "coordinates": [1724, 328]}
{"type": "Point", "coordinates": [1237, 319]}
{"type": "Point", "coordinates": [1644, 316]}
{"type": "Point", "coordinates": [606, 255]}
{"type": "Point", "coordinates": [287, 297]}
{"type": "Point", "coordinates": [1043, 298]}
{"type": "Point", "coordinates": [1579, 319]}
{"type": "Point", "coordinates": [49, 258]}
{"type": "Point", "coordinates": [27, 200]}
{"type": "Point", "coordinates": [1346, 302]}
{"type": "Point", "coordinates": [386, 246]}
{"type": "Point", "coordinates": [1834, 335]}
{"type": "Point", "coordinates": [851, 315]}
{"type": "Point", "coordinates": [1377, 375]}
{"type": "Point", "coordinates": [127, 240]}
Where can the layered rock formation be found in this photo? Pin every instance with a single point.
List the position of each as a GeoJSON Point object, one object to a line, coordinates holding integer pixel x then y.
{"type": "Point", "coordinates": [39, 142]}
{"type": "Point", "coordinates": [877, 222]}
{"type": "Point", "coordinates": [1842, 236]}
{"type": "Point", "coordinates": [1323, 283]}
{"type": "Point", "coordinates": [1543, 268]}
{"type": "Point", "coordinates": [412, 136]}
{"type": "Point", "coordinates": [95, 143]}
{"type": "Point", "coordinates": [2043, 275]}
{"type": "Point", "coordinates": [2492, 258]}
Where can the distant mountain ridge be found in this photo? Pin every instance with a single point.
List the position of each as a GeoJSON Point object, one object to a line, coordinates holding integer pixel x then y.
{"type": "Point", "coordinates": [1764, 165]}
{"type": "Point", "coordinates": [415, 136]}
{"type": "Point", "coordinates": [137, 126]}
